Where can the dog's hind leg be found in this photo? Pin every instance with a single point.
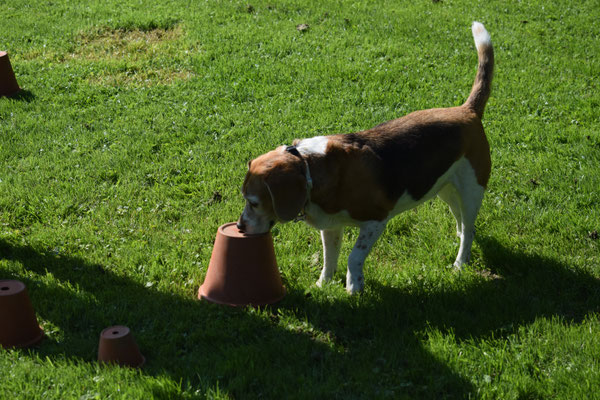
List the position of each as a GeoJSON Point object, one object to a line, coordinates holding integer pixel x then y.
{"type": "Point", "coordinates": [368, 235]}
{"type": "Point", "coordinates": [471, 196]}
{"type": "Point", "coordinates": [332, 243]}
{"type": "Point", "coordinates": [450, 196]}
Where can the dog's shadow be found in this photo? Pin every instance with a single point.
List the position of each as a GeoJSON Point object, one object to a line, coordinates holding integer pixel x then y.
{"type": "Point", "coordinates": [346, 348]}
{"type": "Point", "coordinates": [518, 289]}
{"type": "Point", "coordinates": [515, 289]}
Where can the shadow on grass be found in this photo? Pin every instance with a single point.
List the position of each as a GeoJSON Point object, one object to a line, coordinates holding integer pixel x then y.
{"type": "Point", "coordinates": [515, 290]}
{"type": "Point", "coordinates": [518, 288]}
{"type": "Point", "coordinates": [22, 95]}
{"type": "Point", "coordinates": [248, 354]}
{"type": "Point", "coordinates": [367, 347]}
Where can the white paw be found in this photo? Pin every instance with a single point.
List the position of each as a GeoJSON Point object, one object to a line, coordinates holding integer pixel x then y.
{"type": "Point", "coordinates": [355, 285]}
{"type": "Point", "coordinates": [458, 264]}
{"type": "Point", "coordinates": [323, 280]}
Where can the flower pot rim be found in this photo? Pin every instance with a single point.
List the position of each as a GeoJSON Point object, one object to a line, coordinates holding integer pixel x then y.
{"type": "Point", "coordinates": [116, 363]}
{"type": "Point", "coordinates": [263, 303]}
{"type": "Point", "coordinates": [31, 342]}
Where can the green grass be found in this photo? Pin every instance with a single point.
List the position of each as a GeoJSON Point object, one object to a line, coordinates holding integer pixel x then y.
{"type": "Point", "coordinates": [128, 146]}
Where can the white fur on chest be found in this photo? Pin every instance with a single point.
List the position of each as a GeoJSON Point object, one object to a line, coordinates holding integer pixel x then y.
{"type": "Point", "coordinates": [458, 173]}
{"type": "Point", "coordinates": [318, 218]}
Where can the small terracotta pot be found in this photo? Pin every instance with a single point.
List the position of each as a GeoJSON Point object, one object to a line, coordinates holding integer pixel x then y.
{"type": "Point", "coordinates": [117, 346]}
{"type": "Point", "coordinates": [242, 270]}
{"type": "Point", "coordinates": [8, 82]}
{"type": "Point", "coordinates": [18, 324]}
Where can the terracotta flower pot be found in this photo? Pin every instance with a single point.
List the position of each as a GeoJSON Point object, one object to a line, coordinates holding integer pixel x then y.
{"type": "Point", "coordinates": [8, 82]}
{"type": "Point", "coordinates": [18, 324]}
{"type": "Point", "coordinates": [242, 270]}
{"type": "Point", "coordinates": [117, 346]}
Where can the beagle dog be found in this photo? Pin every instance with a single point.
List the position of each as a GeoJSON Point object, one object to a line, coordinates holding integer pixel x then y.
{"type": "Point", "coordinates": [364, 179]}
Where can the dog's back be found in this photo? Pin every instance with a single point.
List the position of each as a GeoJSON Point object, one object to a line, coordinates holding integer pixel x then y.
{"type": "Point", "coordinates": [409, 154]}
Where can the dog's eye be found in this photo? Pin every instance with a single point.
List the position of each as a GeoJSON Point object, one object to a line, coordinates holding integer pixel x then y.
{"type": "Point", "coordinates": [253, 204]}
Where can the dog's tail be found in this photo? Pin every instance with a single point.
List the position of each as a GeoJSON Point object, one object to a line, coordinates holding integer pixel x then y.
{"type": "Point", "coordinates": [483, 81]}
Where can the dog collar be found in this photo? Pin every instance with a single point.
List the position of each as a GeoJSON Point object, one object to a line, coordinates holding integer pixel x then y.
{"type": "Point", "coordinates": [294, 151]}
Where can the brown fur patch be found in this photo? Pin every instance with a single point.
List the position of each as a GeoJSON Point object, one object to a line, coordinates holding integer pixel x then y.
{"type": "Point", "coordinates": [365, 173]}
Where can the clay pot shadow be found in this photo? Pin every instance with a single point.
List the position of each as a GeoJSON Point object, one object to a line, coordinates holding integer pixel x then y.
{"type": "Point", "coordinates": [242, 270]}
{"type": "Point", "coordinates": [8, 82]}
{"type": "Point", "coordinates": [117, 346]}
{"type": "Point", "coordinates": [18, 323]}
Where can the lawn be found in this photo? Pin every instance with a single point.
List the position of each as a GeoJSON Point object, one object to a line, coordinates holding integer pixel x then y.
{"type": "Point", "coordinates": [128, 146]}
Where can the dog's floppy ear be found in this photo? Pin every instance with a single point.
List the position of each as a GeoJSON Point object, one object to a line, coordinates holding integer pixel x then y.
{"type": "Point", "coordinates": [287, 186]}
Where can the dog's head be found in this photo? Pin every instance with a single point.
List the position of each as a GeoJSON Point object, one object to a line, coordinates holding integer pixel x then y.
{"type": "Point", "coordinates": [275, 189]}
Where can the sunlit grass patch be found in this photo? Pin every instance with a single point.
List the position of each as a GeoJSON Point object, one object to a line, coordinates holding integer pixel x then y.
{"type": "Point", "coordinates": [135, 57]}
{"type": "Point", "coordinates": [125, 56]}
{"type": "Point", "coordinates": [130, 44]}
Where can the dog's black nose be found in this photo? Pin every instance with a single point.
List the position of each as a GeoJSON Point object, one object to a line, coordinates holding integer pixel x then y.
{"type": "Point", "coordinates": [240, 225]}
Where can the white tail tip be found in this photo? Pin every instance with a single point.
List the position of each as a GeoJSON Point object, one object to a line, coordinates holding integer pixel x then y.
{"type": "Point", "coordinates": [481, 36]}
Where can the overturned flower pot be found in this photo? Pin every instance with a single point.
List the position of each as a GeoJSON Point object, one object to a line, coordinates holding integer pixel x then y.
{"type": "Point", "coordinates": [18, 324]}
{"type": "Point", "coordinates": [117, 346]}
{"type": "Point", "coordinates": [8, 82]}
{"type": "Point", "coordinates": [242, 270]}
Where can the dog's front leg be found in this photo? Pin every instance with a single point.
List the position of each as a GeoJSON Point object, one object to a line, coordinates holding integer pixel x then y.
{"type": "Point", "coordinates": [332, 243]}
{"type": "Point", "coordinates": [368, 235]}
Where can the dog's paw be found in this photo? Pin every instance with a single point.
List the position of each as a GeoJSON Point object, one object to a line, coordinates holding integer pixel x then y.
{"type": "Point", "coordinates": [355, 285]}
{"type": "Point", "coordinates": [322, 281]}
{"type": "Point", "coordinates": [458, 264]}
{"type": "Point", "coordinates": [325, 277]}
